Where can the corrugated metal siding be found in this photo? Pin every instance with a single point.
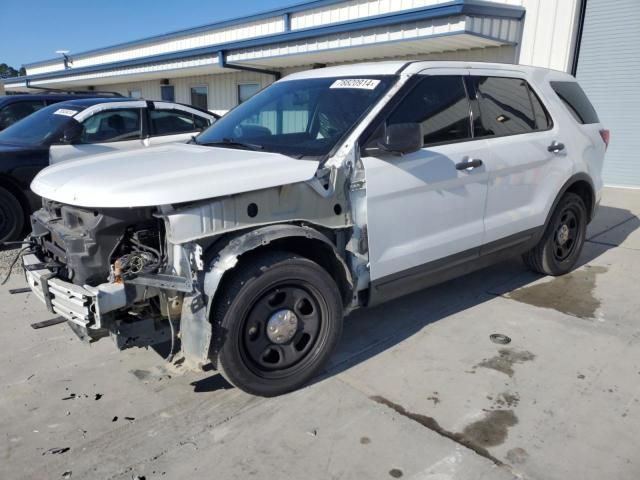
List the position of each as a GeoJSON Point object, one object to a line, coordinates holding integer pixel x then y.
{"type": "Point", "coordinates": [355, 9]}
{"type": "Point", "coordinates": [229, 34]}
{"type": "Point", "coordinates": [223, 88]}
{"type": "Point", "coordinates": [609, 72]}
{"type": "Point", "coordinates": [549, 31]}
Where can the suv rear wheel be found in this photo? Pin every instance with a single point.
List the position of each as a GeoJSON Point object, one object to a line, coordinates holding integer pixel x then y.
{"type": "Point", "coordinates": [11, 216]}
{"type": "Point", "coordinates": [562, 242]}
{"type": "Point", "coordinates": [277, 321]}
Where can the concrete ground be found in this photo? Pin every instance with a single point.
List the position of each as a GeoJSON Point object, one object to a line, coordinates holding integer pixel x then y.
{"type": "Point", "coordinates": [417, 389]}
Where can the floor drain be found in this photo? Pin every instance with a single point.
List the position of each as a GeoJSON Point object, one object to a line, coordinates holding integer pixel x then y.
{"type": "Point", "coordinates": [499, 338]}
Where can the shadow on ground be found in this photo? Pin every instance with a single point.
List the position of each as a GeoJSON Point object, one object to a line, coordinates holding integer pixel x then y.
{"type": "Point", "coordinates": [368, 332]}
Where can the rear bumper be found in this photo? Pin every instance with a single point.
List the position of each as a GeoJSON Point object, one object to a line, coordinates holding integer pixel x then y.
{"type": "Point", "coordinates": [84, 306]}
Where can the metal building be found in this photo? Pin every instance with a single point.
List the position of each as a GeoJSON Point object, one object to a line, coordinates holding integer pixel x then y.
{"type": "Point", "coordinates": [219, 65]}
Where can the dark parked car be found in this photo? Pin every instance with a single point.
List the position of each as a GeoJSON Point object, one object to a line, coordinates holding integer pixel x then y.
{"type": "Point", "coordinates": [78, 128]}
{"type": "Point", "coordinates": [16, 107]}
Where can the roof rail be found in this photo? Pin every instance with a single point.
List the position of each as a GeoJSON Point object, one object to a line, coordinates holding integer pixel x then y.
{"type": "Point", "coordinates": [76, 92]}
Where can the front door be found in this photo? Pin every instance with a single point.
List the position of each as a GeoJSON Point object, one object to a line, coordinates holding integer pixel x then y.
{"type": "Point", "coordinates": [425, 209]}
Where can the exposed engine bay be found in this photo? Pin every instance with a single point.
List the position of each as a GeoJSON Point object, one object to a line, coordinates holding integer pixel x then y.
{"type": "Point", "coordinates": [116, 256]}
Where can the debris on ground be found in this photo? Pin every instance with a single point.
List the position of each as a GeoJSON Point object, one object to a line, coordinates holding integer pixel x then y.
{"type": "Point", "coordinates": [57, 451]}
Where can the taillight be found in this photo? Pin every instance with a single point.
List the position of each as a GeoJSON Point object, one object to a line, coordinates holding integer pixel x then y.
{"type": "Point", "coordinates": [606, 137]}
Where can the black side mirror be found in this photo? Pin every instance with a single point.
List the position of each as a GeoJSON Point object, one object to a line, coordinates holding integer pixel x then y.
{"type": "Point", "coordinates": [72, 132]}
{"type": "Point", "coordinates": [403, 138]}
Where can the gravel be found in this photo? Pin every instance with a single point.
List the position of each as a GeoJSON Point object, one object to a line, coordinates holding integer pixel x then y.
{"type": "Point", "coordinates": [6, 257]}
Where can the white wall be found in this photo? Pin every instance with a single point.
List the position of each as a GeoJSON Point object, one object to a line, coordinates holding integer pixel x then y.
{"type": "Point", "coordinates": [549, 33]}
{"type": "Point", "coordinates": [222, 88]}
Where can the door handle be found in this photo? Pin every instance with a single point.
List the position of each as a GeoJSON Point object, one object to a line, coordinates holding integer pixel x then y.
{"type": "Point", "coordinates": [469, 164]}
{"type": "Point", "coordinates": [555, 147]}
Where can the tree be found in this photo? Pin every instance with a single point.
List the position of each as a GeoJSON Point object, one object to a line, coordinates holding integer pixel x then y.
{"type": "Point", "coordinates": [6, 71]}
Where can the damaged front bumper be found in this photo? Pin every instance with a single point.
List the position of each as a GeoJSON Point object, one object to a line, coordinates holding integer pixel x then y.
{"type": "Point", "coordinates": [87, 307]}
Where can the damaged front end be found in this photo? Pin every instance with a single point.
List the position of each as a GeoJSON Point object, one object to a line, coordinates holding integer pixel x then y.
{"type": "Point", "coordinates": [107, 272]}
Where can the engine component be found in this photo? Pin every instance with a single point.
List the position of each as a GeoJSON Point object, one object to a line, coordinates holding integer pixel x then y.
{"type": "Point", "coordinates": [143, 255]}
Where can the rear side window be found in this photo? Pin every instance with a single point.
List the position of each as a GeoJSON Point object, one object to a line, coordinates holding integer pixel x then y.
{"type": "Point", "coordinates": [440, 105]}
{"type": "Point", "coordinates": [576, 101]}
{"type": "Point", "coordinates": [168, 122]}
{"type": "Point", "coordinates": [506, 107]}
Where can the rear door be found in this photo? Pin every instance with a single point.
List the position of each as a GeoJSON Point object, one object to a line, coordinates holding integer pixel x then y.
{"type": "Point", "coordinates": [425, 209]}
{"type": "Point", "coordinates": [107, 130]}
{"type": "Point", "coordinates": [523, 167]}
{"type": "Point", "coordinates": [170, 123]}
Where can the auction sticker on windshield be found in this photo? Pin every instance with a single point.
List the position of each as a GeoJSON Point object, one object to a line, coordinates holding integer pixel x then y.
{"type": "Point", "coordinates": [362, 83]}
{"type": "Point", "coordinates": [66, 112]}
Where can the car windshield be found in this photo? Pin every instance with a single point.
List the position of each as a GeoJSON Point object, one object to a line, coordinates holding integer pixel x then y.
{"type": "Point", "coordinates": [40, 128]}
{"type": "Point", "coordinates": [299, 118]}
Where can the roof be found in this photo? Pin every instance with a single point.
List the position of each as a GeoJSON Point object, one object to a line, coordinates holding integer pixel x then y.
{"type": "Point", "coordinates": [394, 67]}
{"type": "Point", "coordinates": [6, 99]}
{"type": "Point", "coordinates": [447, 9]}
{"type": "Point", "coordinates": [88, 102]}
{"type": "Point", "coordinates": [471, 7]}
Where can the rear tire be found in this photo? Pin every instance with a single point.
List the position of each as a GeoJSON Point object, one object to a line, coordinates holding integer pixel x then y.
{"type": "Point", "coordinates": [561, 244]}
{"type": "Point", "coordinates": [11, 216]}
{"type": "Point", "coordinates": [276, 322]}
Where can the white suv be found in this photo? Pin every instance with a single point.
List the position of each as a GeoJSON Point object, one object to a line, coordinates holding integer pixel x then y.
{"type": "Point", "coordinates": [330, 190]}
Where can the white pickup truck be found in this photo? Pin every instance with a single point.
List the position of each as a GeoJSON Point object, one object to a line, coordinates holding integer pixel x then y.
{"type": "Point", "coordinates": [330, 190]}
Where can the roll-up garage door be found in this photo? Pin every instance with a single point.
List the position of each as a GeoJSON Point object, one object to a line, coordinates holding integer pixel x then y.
{"type": "Point", "coordinates": [609, 71]}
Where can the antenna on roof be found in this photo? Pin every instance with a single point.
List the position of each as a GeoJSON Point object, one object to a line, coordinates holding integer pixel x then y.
{"type": "Point", "coordinates": [68, 61]}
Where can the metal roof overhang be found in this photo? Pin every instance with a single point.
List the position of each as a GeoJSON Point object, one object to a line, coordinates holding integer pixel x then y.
{"type": "Point", "coordinates": [323, 45]}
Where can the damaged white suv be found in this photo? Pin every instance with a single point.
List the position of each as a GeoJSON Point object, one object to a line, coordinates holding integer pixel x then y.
{"type": "Point", "coordinates": [330, 190]}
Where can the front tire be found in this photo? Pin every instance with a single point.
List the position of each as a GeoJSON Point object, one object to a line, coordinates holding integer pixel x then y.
{"type": "Point", "coordinates": [561, 244]}
{"type": "Point", "coordinates": [277, 320]}
{"type": "Point", "coordinates": [11, 216]}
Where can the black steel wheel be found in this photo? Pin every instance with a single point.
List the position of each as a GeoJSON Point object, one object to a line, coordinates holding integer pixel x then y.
{"type": "Point", "coordinates": [276, 322]}
{"type": "Point", "coordinates": [11, 216]}
{"type": "Point", "coordinates": [561, 244]}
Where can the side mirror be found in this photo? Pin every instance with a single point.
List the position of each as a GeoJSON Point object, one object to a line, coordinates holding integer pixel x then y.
{"type": "Point", "coordinates": [72, 132]}
{"type": "Point", "coordinates": [403, 138]}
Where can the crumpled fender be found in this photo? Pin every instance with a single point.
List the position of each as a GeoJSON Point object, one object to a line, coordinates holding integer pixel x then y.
{"type": "Point", "coordinates": [196, 329]}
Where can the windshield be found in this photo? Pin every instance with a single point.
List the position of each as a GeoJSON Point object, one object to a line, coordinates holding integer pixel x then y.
{"type": "Point", "coordinates": [40, 128]}
{"type": "Point", "coordinates": [298, 118]}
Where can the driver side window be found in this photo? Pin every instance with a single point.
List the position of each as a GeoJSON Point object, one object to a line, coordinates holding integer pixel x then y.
{"type": "Point", "coordinates": [440, 105]}
{"type": "Point", "coordinates": [112, 126]}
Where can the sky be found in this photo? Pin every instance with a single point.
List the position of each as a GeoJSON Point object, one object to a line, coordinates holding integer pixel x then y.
{"type": "Point", "coordinates": [32, 30]}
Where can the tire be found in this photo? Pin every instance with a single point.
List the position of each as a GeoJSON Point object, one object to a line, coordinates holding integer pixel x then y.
{"type": "Point", "coordinates": [561, 244]}
{"type": "Point", "coordinates": [11, 216]}
{"type": "Point", "coordinates": [262, 295]}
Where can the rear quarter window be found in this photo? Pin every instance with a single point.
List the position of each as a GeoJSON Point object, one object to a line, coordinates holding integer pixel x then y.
{"type": "Point", "coordinates": [576, 101]}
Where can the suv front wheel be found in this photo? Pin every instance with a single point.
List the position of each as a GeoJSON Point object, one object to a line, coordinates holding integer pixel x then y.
{"type": "Point", "coordinates": [276, 322]}
{"type": "Point", "coordinates": [561, 244]}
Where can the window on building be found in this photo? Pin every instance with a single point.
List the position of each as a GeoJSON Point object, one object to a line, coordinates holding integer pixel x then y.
{"type": "Point", "coordinates": [199, 97]}
{"type": "Point", "coordinates": [112, 126]}
{"type": "Point", "coordinates": [576, 101]}
{"type": "Point", "coordinates": [168, 93]}
{"type": "Point", "coordinates": [17, 111]}
{"type": "Point", "coordinates": [135, 93]}
{"type": "Point", "coordinates": [246, 91]}
{"type": "Point", "coordinates": [505, 106]}
{"type": "Point", "coordinates": [440, 105]}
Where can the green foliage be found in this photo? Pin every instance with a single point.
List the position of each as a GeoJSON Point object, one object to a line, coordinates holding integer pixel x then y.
{"type": "Point", "coordinates": [7, 71]}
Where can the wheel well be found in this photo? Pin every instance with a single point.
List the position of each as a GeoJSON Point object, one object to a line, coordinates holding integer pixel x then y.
{"type": "Point", "coordinates": [16, 192]}
{"type": "Point", "coordinates": [316, 250]}
{"type": "Point", "coordinates": [584, 190]}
